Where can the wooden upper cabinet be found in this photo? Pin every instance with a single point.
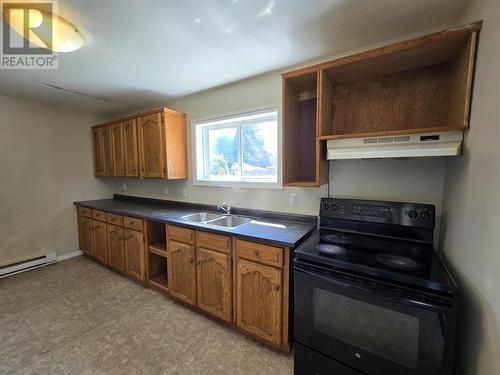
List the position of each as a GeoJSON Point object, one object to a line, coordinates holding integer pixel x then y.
{"type": "Point", "coordinates": [118, 149]}
{"type": "Point", "coordinates": [107, 141]}
{"type": "Point", "coordinates": [131, 149]}
{"type": "Point", "coordinates": [135, 254]}
{"type": "Point", "coordinates": [151, 146]}
{"type": "Point", "coordinates": [182, 271]}
{"type": "Point", "coordinates": [415, 86]}
{"type": "Point", "coordinates": [98, 148]}
{"type": "Point", "coordinates": [214, 283]}
{"type": "Point", "coordinates": [259, 300]}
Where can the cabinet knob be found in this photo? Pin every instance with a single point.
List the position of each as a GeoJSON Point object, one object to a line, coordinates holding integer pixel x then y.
{"type": "Point", "coordinates": [256, 253]}
{"type": "Point", "coordinates": [191, 260]}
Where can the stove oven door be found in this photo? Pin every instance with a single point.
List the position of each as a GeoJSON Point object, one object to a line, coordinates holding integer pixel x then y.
{"type": "Point", "coordinates": [372, 327]}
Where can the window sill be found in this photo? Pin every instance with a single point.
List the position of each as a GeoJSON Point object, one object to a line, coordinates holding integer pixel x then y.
{"type": "Point", "coordinates": [239, 184]}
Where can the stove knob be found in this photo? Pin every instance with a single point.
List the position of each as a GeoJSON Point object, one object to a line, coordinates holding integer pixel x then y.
{"type": "Point", "coordinates": [325, 206]}
{"type": "Point", "coordinates": [425, 215]}
{"type": "Point", "coordinates": [413, 214]}
{"type": "Point", "coordinates": [334, 207]}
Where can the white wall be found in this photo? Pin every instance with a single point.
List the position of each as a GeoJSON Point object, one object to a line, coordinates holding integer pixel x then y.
{"type": "Point", "coordinates": [405, 180]}
{"type": "Point", "coordinates": [45, 165]}
{"type": "Point", "coordinates": [471, 221]}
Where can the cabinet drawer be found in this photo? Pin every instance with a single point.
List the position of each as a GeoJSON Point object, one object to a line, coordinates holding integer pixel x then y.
{"type": "Point", "coordinates": [265, 254]}
{"type": "Point", "coordinates": [99, 215]}
{"type": "Point", "coordinates": [115, 219]}
{"type": "Point", "coordinates": [181, 234]}
{"type": "Point", "coordinates": [84, 211]}
{"type": "Point", "coordinates": [133, 223]}
{"type": "Point", "coordinates": [214, 242]}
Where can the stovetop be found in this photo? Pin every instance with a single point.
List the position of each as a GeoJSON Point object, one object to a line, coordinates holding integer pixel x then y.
{"type": "Point", "coordinates": [394, 260]}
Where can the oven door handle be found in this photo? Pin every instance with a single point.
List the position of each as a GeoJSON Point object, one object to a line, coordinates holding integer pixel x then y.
{"type": "Point", "coordinates": [395, 298]}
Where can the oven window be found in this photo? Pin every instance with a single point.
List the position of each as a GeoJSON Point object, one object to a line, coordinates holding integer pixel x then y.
{"type": "Point", "coordinates": [386, 333]}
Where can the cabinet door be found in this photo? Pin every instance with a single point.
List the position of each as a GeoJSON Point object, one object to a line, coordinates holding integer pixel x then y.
{"type": "Point", "coordinates": [85, 235]}
{"type": "Point", "coordinates": [182, 271]}
{"type": "Point", "coordinates": [131, 148]}
{"type": "Point", "coordinates": [107, 141]}
{"type": "Point", "coordinates": [116, 247]}
{"type": "Point", "coordinates": [259, 300]}
{"type": "Point", "coordinates": [135, 254]}
{"type": "Point", "coordinates": [118, 150]}
{"type": "Point", "coordinates": [100, 241]}
{"type": "Point", "coordinates": [214, 283]}
{"type": "Point", "coordinates": [98, 152]}
{"type": "Point", "coordinates": [151, 146]}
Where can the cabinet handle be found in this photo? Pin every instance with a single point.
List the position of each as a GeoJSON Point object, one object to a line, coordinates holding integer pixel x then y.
{"type": "Point", "coordinates": [276, 287]}
{"type": "Point", "coordinates": [127, 237]}
{"type": "Point", "coordinates": [256, 253]}
{"type": "Point", "coordinates": [191, 261]}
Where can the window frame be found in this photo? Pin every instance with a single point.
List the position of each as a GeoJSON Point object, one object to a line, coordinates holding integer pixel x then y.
{"type": "Point", "coordinates": [200, 149]}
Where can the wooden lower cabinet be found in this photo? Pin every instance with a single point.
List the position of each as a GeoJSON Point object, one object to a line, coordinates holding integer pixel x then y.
{"type": "Point", "coordinates": [214, 283]}
{"type": "Point", "coordinates": [182, 271]}
{"type": "Point", "coordinates": [85, 235]}
{"type": "Point", "coordinates": [99, 241]}
{"type": "Point", "coordinates": [135, 263]}
{"type": "Point", "coordinates": [259, 300]}
{"type": "Point", "coordinates": [238, 281]}
{"type": "Point", "coordinates": [116, 247]}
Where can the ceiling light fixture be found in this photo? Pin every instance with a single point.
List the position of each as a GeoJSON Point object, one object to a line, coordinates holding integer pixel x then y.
{"type": "Point", "coordinates": [45, 30]}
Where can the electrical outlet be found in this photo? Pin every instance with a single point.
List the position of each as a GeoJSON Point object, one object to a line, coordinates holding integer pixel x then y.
{"type": "Point", "coordinates": [124, 187]}
{"type": "Point", "coordinates": [165, 190]}
{"type": "Point", "coordinates": [184, 192]}
{"type": "Point", "coordinates": [294, 199]}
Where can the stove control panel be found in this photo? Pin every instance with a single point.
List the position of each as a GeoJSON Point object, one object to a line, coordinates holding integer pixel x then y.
{"type": "Point", "coordinates": [408, 214]}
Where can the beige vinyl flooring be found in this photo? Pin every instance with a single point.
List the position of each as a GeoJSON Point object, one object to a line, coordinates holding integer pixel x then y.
{"type": "Point", "coordinates": [77, 317]}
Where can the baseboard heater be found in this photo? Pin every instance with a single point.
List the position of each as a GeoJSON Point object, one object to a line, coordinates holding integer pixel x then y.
{"type": "Point", "coordinates": [27, 264]}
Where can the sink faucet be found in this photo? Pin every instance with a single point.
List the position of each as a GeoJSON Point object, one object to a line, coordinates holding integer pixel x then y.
{"type": "Point", "coordinates": [225, 208]}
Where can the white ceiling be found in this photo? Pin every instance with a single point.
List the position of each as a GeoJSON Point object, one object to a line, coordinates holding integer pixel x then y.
{"type": "Point", "coordinates": [141, 53]}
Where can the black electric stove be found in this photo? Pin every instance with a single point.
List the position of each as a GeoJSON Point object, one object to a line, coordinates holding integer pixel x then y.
{"type": "Point", "coordinates": [372, 296]}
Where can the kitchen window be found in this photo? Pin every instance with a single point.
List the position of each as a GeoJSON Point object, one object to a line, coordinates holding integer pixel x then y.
{"type": "Point", "coordinates": [239, 150]}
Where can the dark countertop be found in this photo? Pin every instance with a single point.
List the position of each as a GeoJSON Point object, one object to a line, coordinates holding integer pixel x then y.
{"type": "Point", "coordinates": [270, 227]}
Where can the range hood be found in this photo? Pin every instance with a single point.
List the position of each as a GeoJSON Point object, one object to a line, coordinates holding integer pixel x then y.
{"type": "Point", "coordinates": [440, 144]}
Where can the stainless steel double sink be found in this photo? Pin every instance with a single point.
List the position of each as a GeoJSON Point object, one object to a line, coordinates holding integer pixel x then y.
{"type": "Point", "coordinates": [212, 218]}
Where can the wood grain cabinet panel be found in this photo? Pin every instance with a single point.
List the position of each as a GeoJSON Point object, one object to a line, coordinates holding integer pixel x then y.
{"type": "Point", "coordinates": [98, 148]}
{"type": "Point", "coordinates": [85, 235]}
{"type": "Point", "coordinates": [99, 241]}
{"type": "Point", "coordinates": [182, 271]}
{"type": "Point", "coordinates": [107, 141]}
{"type": "Point", "coordinates": [184, 235]}
{"type": "Point", "coordinates": [270, 255]}
{"type": "Point", "coordinates": [214, 283]}
{"type": "Point", "coordinates": [259, 300]}
{"type": "Point", "coordinates": [215, 242]}
{"type": "Point", "coordinates": [118, 149]}
{"type": "Point", "coordinates": [116, 247]}
{"type": "Point", "coordinates": [135, 254]}
{"type": "Point", "coordinates": [131, 150]}
{"type": "Point", "coordinates": [151, 146]}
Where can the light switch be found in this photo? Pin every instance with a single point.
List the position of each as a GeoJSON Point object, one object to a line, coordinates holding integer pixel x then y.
{"type": "Point", "coordinates": [165, 190]}
{"type": "Point", "coordinates": [294, 199]}
{"type": "Point", "coordinates": [124, 187]}
{"type": "Point", "coordinates": [184, 192]}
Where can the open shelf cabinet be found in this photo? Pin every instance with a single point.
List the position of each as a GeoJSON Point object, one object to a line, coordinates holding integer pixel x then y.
{"type": "Point", "coordinates": [300, 111]}
{"type": "Point", "coordinates": [415, 86]}
{"type": "Point", "coordinates": [157, 255]}
{"type": "Point", "coordinates": [158, 275]}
